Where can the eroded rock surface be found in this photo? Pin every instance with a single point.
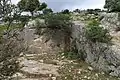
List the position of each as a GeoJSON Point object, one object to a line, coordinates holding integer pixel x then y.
{"type": "Point", "coordinates": [100, 55]}
{"type": "Point", "coordinates": [40, 61]}
{"type": "Point", "coordinates": [38, 68]}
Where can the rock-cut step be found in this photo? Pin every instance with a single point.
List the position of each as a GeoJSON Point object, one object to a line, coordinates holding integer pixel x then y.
{"type": "Point", "coordinates": [35, 69]}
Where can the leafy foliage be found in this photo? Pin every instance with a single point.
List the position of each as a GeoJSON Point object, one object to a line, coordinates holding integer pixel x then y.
{"type": "Point", "coordinates": [47, 11]}
{"type": "Point", "coordinates": [55, 21]}
{"type": "Point", "coordinates": [97, 10]}
{"type": "Point", "coordinates": [66, 11]}
{"type": "Point", "coordinates": [43, 6]}
{"type": "Point", "coordinates": [59, 21]}
{"type": "Point", "coordinates": [112, 5]}
{"type": "Point", "coordinates": [5, 10]}
{"type": "Point", "coordinates": [90, 11]}
{"type": "Point", "coordinates": [31, 5]}
{"type": "Point", "coordinates": [93, 11]}
{"type": "Point", "coordinates": [77, 10]}
{"type": "Point", "coordinates": [95, 33]}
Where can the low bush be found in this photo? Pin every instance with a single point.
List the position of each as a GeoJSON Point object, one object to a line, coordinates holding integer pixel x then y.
{"type": "Point", "coordinates": [54, 21]}
{"type": "Point", "coordinates": [58, 20]}
{"type": "Point", "coordinates": [95, 33]}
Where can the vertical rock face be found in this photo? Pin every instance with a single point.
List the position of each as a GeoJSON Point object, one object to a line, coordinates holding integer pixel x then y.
{"type": "Point", "coordinates": [49, 39]}
{"type": "Point", "coordinates": [110, 21]}
{"type": "Point", "coordinates": [99, 55]}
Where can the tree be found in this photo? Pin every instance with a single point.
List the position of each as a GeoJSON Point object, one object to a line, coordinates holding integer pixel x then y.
{"type": "Point", "coordinates": [47, 11]}
{"type": "Point", "coordinates": [59, 21]}
{"type": "Point", "coordinates": [31, 5]}
{"type": "Point", "coordinates": [77, 10]}
{"type": "Point", "coordinates": [112, 5]}
{"type": "Point", "coordinates": [5, 8]}
{"type": "Point", "coordinates": [97, 10]}
{"type": "Point", "coordinates": [66, 11]}
{"type": "Point", "coordinates": [90, 11]}
{"type": "Point", "coordinates": [43, 6]}
{"type": "Point", "coordinates": [10, 44]}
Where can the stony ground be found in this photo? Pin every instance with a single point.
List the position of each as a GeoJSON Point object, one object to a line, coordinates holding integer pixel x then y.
{"type": "Point", "coordinates": [54, 66]}
{"type": "Point", "coordinates": [44, 62]}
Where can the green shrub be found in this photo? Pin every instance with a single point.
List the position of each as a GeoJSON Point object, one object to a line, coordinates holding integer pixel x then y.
{"type": "Point", "coordinates": [95, 33]}
{"type": "Point", "coordinates": [55, 21]}
{"type": "Point", "coordinates": [58, 20]}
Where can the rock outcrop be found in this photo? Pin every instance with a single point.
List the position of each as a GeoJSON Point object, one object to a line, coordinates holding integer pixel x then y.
{"type": "Point", "coordinates": [99, 55]}
{"type": "Point", "coordinates": [110, 21]}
